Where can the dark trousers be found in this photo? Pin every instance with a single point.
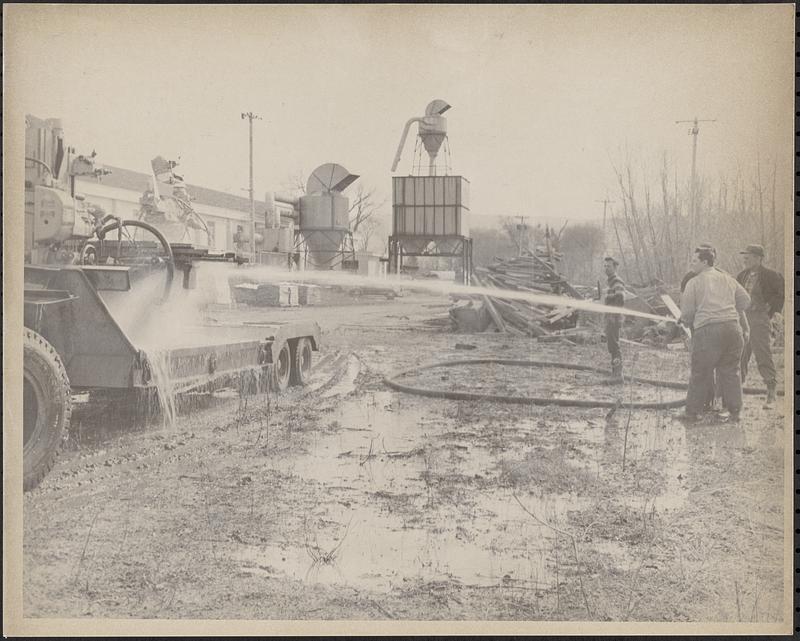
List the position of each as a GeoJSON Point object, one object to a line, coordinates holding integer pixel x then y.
{"type": "Point", "coordinates": [759, 345]}
{"type": "Point", "coordinates": [717, 346]}
{"type": "Point", "coordinates": [714, 391]}
{"type": "Point", "coordinates": [613, 323]}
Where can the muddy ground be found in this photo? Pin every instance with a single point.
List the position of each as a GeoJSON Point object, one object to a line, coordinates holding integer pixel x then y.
{"type": "Point", "coordinates": [347, 500]}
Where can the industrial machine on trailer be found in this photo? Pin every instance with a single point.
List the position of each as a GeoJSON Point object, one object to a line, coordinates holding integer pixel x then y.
{"type": "Point", "coordinates": [76, 256]}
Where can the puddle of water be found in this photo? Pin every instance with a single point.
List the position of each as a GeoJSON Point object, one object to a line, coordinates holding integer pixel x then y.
{"type": "Point", "coordinates": [393, 477]}
{"type": "Point", "coordinates": [651, 441]}
{"type": "Point", "coordinates": [380, 550]}
{"type": "Point", "coordinates": [377, 439]}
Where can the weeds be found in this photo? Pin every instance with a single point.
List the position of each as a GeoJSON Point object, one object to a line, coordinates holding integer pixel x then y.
{"type": "Point", "coordinates": [85, 547]}
{"type": "Point", "coordinates": [574, 542]}
{"type": "Point", "coordinates": [317, 554]}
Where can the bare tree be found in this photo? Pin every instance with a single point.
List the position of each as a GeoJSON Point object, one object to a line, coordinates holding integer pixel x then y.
{"type": "Point", "coordinates": [731, 212]}
{"type": "Point", "coordinates": [368, 230]}
{"type": "Point", "coordinates": [363, 207]}
{"type": "Point", "coordinates": [520, 233]}
{"type": "Point", "coordinates": [295, 183]}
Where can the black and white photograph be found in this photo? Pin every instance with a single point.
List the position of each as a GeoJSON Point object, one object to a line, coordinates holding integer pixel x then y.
{"type": "Point", "coordinates": [398, 319]}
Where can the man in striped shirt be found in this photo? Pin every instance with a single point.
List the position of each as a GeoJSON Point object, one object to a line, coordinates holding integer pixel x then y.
{"type": "Point", "coordinates": [615, 295]}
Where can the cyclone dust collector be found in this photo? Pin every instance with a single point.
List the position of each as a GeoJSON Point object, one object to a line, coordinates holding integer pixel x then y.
{"type": "Point", "coordinates": [324, 234]}
{"type": "Point", "coordinates": [430, 213]}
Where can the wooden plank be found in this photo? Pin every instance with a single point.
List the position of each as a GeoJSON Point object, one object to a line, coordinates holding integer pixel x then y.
{"type": "Point", "coordinates": [567, 286]}
{"type": "Point", "coordinates": [498, 321]}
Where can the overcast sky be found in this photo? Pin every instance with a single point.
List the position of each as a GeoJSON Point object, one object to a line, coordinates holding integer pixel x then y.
{"type": "Point", "coordinates": [543, 97]}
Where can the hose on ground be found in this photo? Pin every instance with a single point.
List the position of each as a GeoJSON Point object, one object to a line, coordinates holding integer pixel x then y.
{"type": "Point", "coordinates": [391, 381]}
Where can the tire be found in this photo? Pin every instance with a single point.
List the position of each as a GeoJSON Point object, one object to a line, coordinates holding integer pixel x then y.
{"type": "Point", "coordinates": [282, 368]}
{"type": "Point", "coordinates": [301, 361]}
{"type": "Point", "coordinates": [47, 408]}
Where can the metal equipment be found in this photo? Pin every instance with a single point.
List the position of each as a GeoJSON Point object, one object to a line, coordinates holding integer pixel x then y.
{"type": "Point", "coordinates": [324, 229]}
{"type": "Point", "coordinates": [172, 214]}
{"type": "Point", "coordinates": [430, 213]}
{"type": "Point", "coordinates": [432, 133]}
{"type": "Point", "coordinates": [77, 260]}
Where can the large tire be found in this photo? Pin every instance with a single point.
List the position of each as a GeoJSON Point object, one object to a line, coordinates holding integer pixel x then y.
{"type": "Point", "coordinates": [47, 408]}
{"type": "Point", "coordinates": [281, 368]}
{"type": "Point", "coordinates": [301, 361]}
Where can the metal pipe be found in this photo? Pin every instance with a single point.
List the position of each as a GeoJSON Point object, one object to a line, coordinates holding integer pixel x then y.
{"type": "Point", "coordinates": [403, 141]}
{"type": "Point", "coordinates": [41, 162]}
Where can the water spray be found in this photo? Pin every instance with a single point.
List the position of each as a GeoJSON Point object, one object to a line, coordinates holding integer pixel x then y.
{"type": "Point", "coordinates": [352, 280]}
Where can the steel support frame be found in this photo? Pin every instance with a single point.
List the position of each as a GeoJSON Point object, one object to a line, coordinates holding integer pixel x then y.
{"type": "Point", "coordinates": [345, 252]}
{"type": "Point", "coordinates": [462, 250]}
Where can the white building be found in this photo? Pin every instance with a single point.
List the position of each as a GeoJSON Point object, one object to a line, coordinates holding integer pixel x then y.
{"type": "Point", "coordinates": [118, 194]}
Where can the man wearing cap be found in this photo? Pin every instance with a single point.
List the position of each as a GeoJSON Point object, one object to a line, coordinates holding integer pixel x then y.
{"type": "Point", "coordinates": [765, 287]}
{"type": "Point", "coordinates": [714, 392]}
{"type": "Point", "coordinates": [713, 303]}
{"type": "Point", "coordinates": [615, 295]}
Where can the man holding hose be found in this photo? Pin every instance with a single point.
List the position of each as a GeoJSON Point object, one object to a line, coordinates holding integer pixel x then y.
{"type": "Point", "coordinates": [615, 296]}
{"type": "Point", "coordinates": [714, 304]}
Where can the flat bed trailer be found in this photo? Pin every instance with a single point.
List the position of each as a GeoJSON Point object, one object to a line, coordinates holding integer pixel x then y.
{"type": "Point", "coordinates": [73, 344]}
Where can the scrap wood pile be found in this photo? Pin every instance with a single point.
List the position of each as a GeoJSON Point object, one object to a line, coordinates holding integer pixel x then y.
{"type": "Point", "coordinates": [650, 297]}
{"type": "Point", "coordinates": [532, 273]}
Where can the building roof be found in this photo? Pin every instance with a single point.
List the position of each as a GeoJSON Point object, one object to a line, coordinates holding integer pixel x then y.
{"type": "Point", "coordinates": [139, 182]}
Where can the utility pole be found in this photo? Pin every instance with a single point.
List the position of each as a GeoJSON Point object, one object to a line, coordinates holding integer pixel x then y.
{"type": "Point", "coordinates": [693, 131]}
{"type": "Point", "coordinates": [251, 116]}
{"type": "Point", "coordinates": [521, 227]}
{"type": "Point", "coordinates": [606, 202]}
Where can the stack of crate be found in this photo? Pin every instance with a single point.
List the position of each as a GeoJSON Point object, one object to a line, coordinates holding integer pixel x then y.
{"type": "Point", "coordinates": [309, 294]}
{"type": "Point", "coordinates": [266, 294]}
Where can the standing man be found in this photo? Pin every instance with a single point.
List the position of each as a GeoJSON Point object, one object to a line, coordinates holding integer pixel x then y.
{"type": "Point", "coordinates": [714, 304]}
{"type": "Point", "coordinates": [714, 391]}
{"type": "Point", "coordinates": [766, 295]}
{"type": "Point", "coordinates": [615, 295]}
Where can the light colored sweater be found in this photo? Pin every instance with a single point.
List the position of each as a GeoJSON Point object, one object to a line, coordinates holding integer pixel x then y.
{"type": "Point", "coordinates": [712, 296]}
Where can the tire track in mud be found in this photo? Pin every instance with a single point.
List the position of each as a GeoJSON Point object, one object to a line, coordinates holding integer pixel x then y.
{"type": "Point", "coordinates": [91, 461]}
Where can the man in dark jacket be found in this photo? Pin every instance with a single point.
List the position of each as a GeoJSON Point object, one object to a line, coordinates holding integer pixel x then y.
{"type": "Point", "coordinates": [765, 287]}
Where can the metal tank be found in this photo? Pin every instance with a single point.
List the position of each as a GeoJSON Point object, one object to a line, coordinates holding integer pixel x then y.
{"type": "Point", "coordinates": [324, 214]}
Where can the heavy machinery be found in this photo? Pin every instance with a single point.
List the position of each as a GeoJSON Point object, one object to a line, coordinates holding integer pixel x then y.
{"type": "Point", "coordinates": [79, 260]}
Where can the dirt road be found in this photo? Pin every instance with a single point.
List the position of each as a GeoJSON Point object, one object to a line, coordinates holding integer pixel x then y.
{"type": "Point", "coordinates": [346, 500]}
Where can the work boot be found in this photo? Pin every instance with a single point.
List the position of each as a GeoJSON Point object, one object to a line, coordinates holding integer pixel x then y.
{"type": "Point", "coordinates": [769, 402]}
{"type": "Point", "coordinates": [616, 374]}
{"type": "Point", "coordinates": [728, 416]}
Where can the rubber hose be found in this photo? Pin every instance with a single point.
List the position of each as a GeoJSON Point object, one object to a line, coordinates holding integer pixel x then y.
{"type": "Point", "coordinates": [533, 400]}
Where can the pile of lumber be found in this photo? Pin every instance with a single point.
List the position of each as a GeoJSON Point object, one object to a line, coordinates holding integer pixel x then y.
{"type": "Point", "coordinates": [650, 295]}
{"type": "Point", "coordinates": [534, 273]}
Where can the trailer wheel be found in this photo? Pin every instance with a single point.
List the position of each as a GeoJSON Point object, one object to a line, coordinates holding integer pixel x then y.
{"type": "Point", "coordinates": [46, 408]}
{"type": "Point", "coordinates": [301, 361]}
{"type": "Point", "coordinates": [281, 368]}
